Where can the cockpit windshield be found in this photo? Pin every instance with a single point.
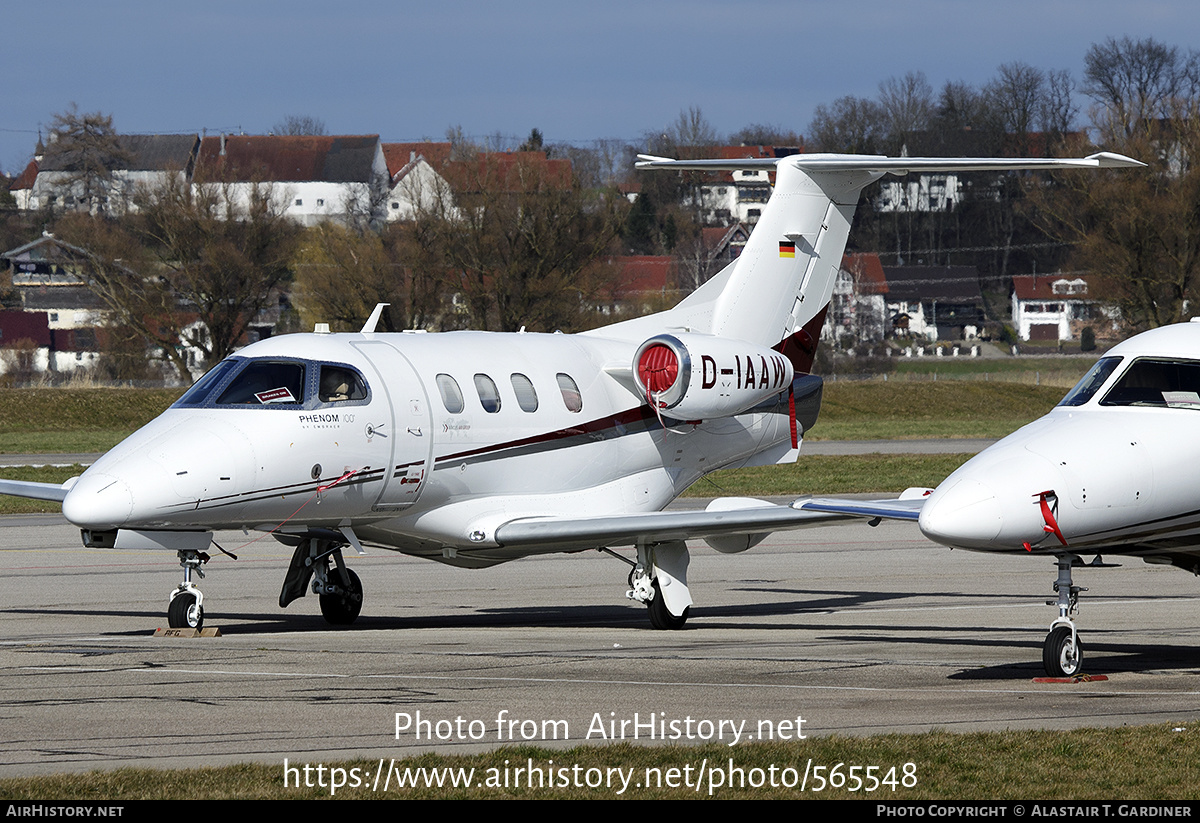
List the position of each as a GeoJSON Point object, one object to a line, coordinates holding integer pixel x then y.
{"type": "Point", "coordinates": [277, 383]}
{"type": "Point", "coordinates": [1171, 384]}
{"type": "Point", "coordinates": [1086, 388]}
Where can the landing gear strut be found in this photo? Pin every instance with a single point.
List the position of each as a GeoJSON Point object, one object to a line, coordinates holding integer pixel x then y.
{"type": "Point", "coordinates": [339, 588]}
{"type": "Point", "coordinates": [186, 609]}
{"type": "Point", "coordinates": [1062, 655]}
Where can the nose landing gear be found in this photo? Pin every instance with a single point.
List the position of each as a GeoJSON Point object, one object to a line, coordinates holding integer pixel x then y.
{"type": "Point", "coordinates": [1062, 654]}
{"type": "Point", "coordinates": [186, 609]}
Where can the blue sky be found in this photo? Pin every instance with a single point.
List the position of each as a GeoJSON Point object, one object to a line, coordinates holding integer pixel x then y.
{"type": "Point", "coordinates": [577, 71]}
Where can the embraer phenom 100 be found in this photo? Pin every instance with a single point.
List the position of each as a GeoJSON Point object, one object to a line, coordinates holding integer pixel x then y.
{"type": "Point", "coordinates": [477, 448]}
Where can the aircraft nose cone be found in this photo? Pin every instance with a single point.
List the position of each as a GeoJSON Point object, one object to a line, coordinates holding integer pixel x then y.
{"type": "Point", "coordinates": [98, 501]}
{"type": "Point", "coordinates": [966, 514]}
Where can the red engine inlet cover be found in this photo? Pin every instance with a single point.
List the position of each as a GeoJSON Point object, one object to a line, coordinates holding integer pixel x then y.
{"type": "Point", "coordinates": [658, 368]}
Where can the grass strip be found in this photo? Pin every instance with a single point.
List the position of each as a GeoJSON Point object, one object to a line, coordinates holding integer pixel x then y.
{"type": "Point", "coordinates": [1133, 763]}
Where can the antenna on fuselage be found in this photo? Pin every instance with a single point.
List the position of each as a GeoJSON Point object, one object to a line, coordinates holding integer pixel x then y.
{"type": "Point", "coordinates": [373, 320]}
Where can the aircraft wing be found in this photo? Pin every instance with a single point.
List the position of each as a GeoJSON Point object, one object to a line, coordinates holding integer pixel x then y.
{"type": "Point", "coordinates": [902, 509]}
{"type": "Point", "coordinates": [724, 517]}
{"type": "Point", "coordinates": [38, 491]}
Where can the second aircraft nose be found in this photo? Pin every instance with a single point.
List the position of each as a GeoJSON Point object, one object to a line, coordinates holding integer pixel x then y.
{"type": "Point", "coordinates": [963, 513]}
{"type": "Point", "coordinates": [98, 501]}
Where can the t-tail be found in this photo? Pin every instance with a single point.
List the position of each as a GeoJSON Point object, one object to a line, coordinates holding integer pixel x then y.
{"type": "Point", "coordinates": [776, 292]}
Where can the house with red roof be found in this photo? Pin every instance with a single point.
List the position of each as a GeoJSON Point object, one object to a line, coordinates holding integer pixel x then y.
{"type": "Point", "coordinates": [415, 177]}
{"type": "Point", "coordinates": [312, 178]}
{"type": "Point", "coordinates": [1058, 306]}
{"type": "Point", "coordinates": [858, 307]}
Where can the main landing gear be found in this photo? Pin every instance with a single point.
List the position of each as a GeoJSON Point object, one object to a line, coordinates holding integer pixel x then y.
{"type": "Point", "coordinates": [1062, 654]}
{"type": "Point", "coordinates": [186, 609]}
{"type": "Point", "coordinates": [659, 579]}
{"type": "Point", "coordinates": [320, 561]}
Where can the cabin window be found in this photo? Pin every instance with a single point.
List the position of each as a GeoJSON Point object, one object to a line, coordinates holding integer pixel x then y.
{"type": "Point", "coordinates": [1164, 383]}
{"type": "Point", "coordinates": [266, 383]}
{"type": "Point", "coordinates": [489, 395]}
{"type": "Point", "coordinates": [452, 397]}
{"type": "Point", "coordinates": [526, 395]}
{"type": "Point", "coordinates": [571, 396]}
{"type": "Point", "coordinates": [340, 384]}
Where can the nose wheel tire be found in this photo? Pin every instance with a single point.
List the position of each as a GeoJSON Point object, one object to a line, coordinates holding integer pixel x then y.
{"type": "Point", "coordinates": [185, 613]}
{"type": "Point", "coordinates": [1061, 654]}
{"type": "Point", "coordinates": [342, 609]}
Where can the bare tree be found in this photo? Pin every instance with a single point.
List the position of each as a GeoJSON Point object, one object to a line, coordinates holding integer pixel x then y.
{"type": "Point", "coordinates": [1014, 100]}
{"type": "Point", "coordinates": [299, 124]}
{"type": "Point", "coordinates": [1139, 232]}
{"type": "Point", "coordinates": [691, 129]}
{"type": "Point", "coordinates": [83, 152]}
{"type": "Point", "coordinates": [850, 124]}
{"type": "Point", "coordinates": [195, 266]}
{"type": "Point", "coordinates": [906, 105]}
{"type": "Point", "coordinates": [1134, 82]}
{"type": "Point", "coordinates": [761, 134]}
{"type": "Point", "coordinates": [524, 242]}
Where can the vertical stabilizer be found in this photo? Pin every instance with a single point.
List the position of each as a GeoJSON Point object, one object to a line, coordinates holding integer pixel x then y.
{"type": "Point", "coordinates": [775, 294]}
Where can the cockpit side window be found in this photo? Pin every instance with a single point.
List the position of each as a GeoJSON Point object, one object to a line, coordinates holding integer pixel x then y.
{"type": "Point", "coordinates": [266, 383]}
{"type": "Point", "coordinates": [202, 388]}
{"type": "Point", "coordinates": [1086, 388]}
{"type": "Point", "coordinates": [1165, 383]}
{"type": "Point", "coordinates": [340, 384]}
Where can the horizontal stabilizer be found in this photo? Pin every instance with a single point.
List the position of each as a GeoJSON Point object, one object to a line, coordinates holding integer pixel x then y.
{"type": "Point", "coordinates": [895, 165]}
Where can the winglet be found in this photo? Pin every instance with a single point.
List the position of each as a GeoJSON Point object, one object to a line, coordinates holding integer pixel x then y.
{"type": "Point", "coordinates": [373, 320]}
{"type": "Point", "coordinates": [1112, 160]}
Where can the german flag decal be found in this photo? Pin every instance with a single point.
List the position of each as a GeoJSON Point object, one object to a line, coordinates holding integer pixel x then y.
{"type": "Point", "coordinates": [787, 248]}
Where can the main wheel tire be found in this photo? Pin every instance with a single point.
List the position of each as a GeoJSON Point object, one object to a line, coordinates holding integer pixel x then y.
{"type": "Point", "coordinates": [342, 609]}
{"type": "Point", "coordinates": [661, 617]}
{"type": "Point", "coordinates": [185, 613]}
{"type": "Point", "coordinates": [1061, 656]}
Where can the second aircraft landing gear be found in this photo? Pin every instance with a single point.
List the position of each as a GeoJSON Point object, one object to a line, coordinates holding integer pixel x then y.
{"type": "Point", "coordinates": [340, 590]}
{"type": "Point", "coordinates": [1062, 654]}
{"type": "Point", "coordinates": [186, 610]}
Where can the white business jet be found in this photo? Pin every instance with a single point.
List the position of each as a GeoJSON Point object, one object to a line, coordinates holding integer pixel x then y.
{"type": "Point", "coordinates": [475, 448]}
{"type": "Point", "coordinates": [1108, 471]}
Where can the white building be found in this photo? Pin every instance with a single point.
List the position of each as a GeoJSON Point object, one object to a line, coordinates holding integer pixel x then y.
{"type": "Point", "coordinates": [310, 178]}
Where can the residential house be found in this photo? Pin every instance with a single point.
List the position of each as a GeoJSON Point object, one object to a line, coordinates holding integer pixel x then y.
{"type": "Point", "coordinates": [858, 310]}
{"type": "Point", "coordinates": [736, 196]}
{"type": "Point", "coordinates": [150, 160]}
{"type": "Point", "coordinates": [310, 178]}
{"type": "Point", "coordinates": [934, 302]}
{"type": "Point", "coordinates": [415, 179]}
{"type": "Point", "coordinates": [1057, 307]}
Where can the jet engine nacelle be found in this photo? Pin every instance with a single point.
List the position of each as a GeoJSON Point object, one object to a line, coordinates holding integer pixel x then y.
{"type": "Point", "coordinates": [698, 376]}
